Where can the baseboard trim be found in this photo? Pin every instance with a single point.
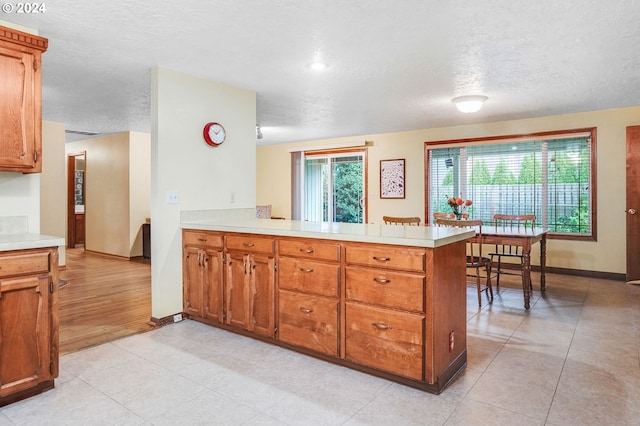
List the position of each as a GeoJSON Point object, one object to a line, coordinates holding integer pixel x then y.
{"type": "Point", "coordinates": [573, 272]}
{"type": "Point", "coordinates": [169, 319]}
{"type": "Point", "coordinates": [117, 256]}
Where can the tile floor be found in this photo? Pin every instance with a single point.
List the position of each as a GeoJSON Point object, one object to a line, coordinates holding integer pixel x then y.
{"type": "Point", "coordinates": [573, 359]}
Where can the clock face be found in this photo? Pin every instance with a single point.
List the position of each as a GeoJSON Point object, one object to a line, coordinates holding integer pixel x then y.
{"type": "Point", "coordinates": [214, 134]}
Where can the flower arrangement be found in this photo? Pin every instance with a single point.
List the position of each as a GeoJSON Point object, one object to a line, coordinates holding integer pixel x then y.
{"type": "Point", "coordinates": [458, 205]}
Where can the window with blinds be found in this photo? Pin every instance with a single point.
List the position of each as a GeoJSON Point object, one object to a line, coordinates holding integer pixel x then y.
{"type": "Point", "coordinates": [550, 175]}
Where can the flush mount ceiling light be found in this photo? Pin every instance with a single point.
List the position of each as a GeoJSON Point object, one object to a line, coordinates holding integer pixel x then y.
{"type": "Point", "coordinates": [468, 104]}
{"type": "Point", "coordinates": [318, 66]}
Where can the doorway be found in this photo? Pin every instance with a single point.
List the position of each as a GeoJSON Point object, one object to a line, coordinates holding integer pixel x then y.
{"type": "Point", "coordinates": [633, 205]}
{"type": "Point", "coordinates": [76, 184]}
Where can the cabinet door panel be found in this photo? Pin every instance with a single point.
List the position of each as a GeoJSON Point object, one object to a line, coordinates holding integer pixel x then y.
{"type": "Point", "coordinates": [238, 291]}
{"type": "Point", "coordinates": [25, 351]}
{"type": "Point", "coordinates": [309, 276]}
{"type": "Point", "coordinates": [262, 276]}
{"type": "Point", "coordinates": [398, 290]}
{"type": "Point", "coordinates": [384, 339]}
{"type": "Point", "coordinates": [309, 321]}
{"type": "Point", "coordinates": [17, 114]}
{"type": "Point", "coordinates": [192, 281]}
{"type": "Point", "coordinates": [213, 287]}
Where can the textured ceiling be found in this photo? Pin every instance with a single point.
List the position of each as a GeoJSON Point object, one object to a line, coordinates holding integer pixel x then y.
{"type": "Point", "coordinates": [393, 65]}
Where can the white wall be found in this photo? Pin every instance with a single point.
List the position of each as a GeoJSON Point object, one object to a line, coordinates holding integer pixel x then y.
{"type": "Point", "coordinates": [53, 184]}
{"type": "Point", "coordinates": [139, 188]}
{"type": "Point", "coordinates": [203, 177]}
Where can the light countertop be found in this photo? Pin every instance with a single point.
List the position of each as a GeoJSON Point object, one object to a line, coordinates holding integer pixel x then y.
{"type": "Point", "coordinates": [10, 242]}
{"type": "Point", "coordinates": [417, 236]}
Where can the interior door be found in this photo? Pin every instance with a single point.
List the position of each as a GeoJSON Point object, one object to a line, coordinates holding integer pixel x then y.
{"type": "Point", "coordinates": [633, 203]}
{"type": "Point", "coordinates": [76, 224]}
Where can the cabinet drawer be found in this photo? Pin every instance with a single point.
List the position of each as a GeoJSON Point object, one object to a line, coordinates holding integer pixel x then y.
{"type": "Point", "coordinates": [398, 290]}
{"type": "Point", "coordinates": [309, 277]}
{"type": "Point", "coordinates": [385, 339]}
{"type": "Point", "coordinates": [250, 244]}
{"type": "Point", "coordinates": [24, 264]}
{"type": "Point", "coordinates": [201, 238]}
{"type": "Point", "coordinates": [311, 249]}
{"type": "Point", "coordinates": [309, 321]}
{"type": "Point", "coordinates": [387, 257]}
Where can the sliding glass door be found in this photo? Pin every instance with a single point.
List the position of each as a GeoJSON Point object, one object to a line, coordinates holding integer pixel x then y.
{"type": "Point", "coordinates": [334, 189]}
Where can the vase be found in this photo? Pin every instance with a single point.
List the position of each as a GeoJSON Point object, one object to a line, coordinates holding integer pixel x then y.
{"type": "Point", "coordinates": [458, 216]}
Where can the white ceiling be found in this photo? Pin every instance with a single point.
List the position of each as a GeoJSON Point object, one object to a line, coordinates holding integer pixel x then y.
{"type": "Point", "coordinates": [393, 65]}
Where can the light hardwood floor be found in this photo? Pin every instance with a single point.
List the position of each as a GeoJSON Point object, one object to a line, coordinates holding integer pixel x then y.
{"type": "Point", "coordinates": [105, 298]}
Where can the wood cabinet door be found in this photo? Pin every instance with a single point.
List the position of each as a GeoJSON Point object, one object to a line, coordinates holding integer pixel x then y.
{"type": "Point", "coordinates": [213, 285]}
{"type": "Point", "coordinates": [238, 292]}
{"type": "Point", "coordinates": [192, 281]}
{"type": "Point", "coordinates": [19, 126]}
{"type": "Point", "coordinates": [261, 274]}
{"type": "Point", "coordinates": [25, 349]}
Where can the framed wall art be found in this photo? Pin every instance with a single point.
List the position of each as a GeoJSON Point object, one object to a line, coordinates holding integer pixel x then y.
{"type": "Point", "coordinates": [392, 179]}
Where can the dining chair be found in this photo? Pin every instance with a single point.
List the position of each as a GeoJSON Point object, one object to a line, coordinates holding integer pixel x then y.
{"type": "Point", "coordinates": [475, 260]}
{"type": "Point", "coordinates": [510, 222]}
{"type": "Point", "coordinates": [391, 220]}
{"type": "Point", "coordinates": [440, 215]}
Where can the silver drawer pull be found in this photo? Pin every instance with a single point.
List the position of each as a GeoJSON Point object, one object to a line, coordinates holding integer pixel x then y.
{"type": "Point", "coordinates": [306, 270]}
{"type": "Point", "coordinates": [248, 244]}
{"type": "Point", "coordinates": [382, 259]}
{"type": "Point", "coordinates": [305, 310]}
{"type": "Point", "coordinates": [307, 250]}
{"type": "Point", "coordinates": [381, 326]}
{"type": "Point", "coordinates": [382, 280]}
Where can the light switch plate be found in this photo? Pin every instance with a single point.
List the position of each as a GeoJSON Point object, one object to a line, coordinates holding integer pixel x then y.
{"type": "Point", "coordinates": [172, 197]}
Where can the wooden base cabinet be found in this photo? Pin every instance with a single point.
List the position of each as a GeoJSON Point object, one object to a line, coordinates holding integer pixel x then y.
{"type": "Point", "coordinates": [395, 311]}
{"type": "Point", "coordinates": [28, 322]}
{"type": "Point", "coordinates": [229, 280]}
{"type": "Point", "coordinates": [202, 275]}
{"type": "Point", "coordinates": [250, 283]}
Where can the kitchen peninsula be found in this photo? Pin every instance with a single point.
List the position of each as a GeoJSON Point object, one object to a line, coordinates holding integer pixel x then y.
{"type": "Point", "coordinates": [387, 300]}
{"type": "Point", "coordinates": [28, 314]}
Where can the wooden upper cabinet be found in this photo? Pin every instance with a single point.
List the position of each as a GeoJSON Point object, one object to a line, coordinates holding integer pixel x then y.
{"type": "Point", "coordinates": [20, 101]}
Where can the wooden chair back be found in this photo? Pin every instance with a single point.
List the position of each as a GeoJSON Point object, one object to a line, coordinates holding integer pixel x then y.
{"type": "Point", "coordinates": [514, 221]}
{"type": "Point", "coordinates": [391, 220]}
{"type": "Point", "coordinates": [438, 215]}
{"type": "Point", "coordinates": [510, 222]}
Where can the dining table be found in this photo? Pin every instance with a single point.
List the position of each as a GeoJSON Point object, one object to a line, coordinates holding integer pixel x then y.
{"type": "Point", "coordinates": [525, 238]}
